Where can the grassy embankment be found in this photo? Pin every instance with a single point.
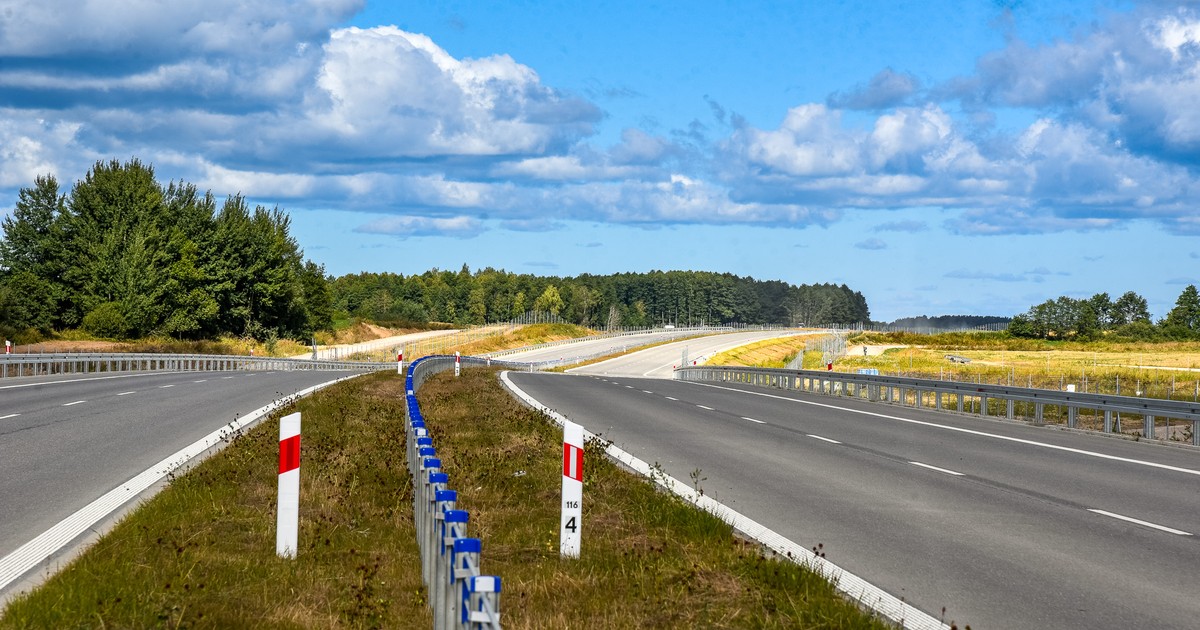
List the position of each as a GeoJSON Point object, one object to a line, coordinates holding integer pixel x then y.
{"type": "Point", "coordinates": [348, 331]}
{"type": "Point", "coordinates": [201, 553]}
{"type": "Point", "coordinates": [1156, 370]}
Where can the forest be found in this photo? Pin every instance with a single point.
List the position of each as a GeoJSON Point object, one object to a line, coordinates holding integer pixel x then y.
{"type": "Point", "coordinates": [121, 256]}
{"type": "Point", "coordinates": [599, 301]}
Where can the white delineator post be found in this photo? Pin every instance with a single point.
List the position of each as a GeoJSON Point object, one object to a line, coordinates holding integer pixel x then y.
{"type": "Point", "coordinates": [457, 364]}
{"type": "Point", "coordinates": [400, 361]}
{"type": "Point", "coordinates": [7, 347]}
{"type": "Point", "coordinates": [287, 525]}
{"type": "Point", "coordinates": [572, 491]}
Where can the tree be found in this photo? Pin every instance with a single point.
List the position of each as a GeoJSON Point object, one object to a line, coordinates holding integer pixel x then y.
{"type": "Point", "coordinates": [549, 301]}
{"type": "Point", "coordinates": [26, 303]}
{"type": "Point", "coordinates": [1102, 307]}
{"type": "Point", "coordinates": [29, 241]}
{"type": "Point", "coordinates": [1130, 308]}
{"type": "Point", "coordinates": [1184, 319]}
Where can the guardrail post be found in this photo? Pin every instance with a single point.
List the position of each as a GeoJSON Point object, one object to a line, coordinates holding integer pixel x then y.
{"type": "Point", "coordinates": [454, 526]}
{"type": "Point", "coordinates": [1148, 427]}
{"type": "Point", "coordinates": [1038, 410]}
{"type": "Point", "coordinates": [1010, 409]}
{"type": "Point", "coordinates": [983, 406]}
{"type": "Point", "coordinates": [483, 593]}
{"type": "Point", "coordinates": [443, 500]}
{"type": "Point", "coordinates": [1072, 412]}
{"type": "Point", "coordinates": [465, 562]}
{"type": "Point", "coordinates": [1108, 421]}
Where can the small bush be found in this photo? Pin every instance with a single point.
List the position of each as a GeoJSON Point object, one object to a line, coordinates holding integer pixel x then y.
{"type": "Point", "coordinates": [107, 320]}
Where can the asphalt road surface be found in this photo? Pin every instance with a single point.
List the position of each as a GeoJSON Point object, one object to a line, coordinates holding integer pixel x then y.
{"type": "Point", "coordinates": [64, 441]}
{"type": "Point", "coordinates": [1004, 525]}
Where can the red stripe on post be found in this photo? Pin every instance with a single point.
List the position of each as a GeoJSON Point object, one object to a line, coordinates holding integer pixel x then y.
{"type": "Point", "coordinates": [289, 454]}
{"type": "Point", "coordinates": [573, 462]}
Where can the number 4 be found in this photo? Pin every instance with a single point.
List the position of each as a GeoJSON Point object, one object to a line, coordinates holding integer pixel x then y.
{"type": "Point", "coordinates": [571, 525]}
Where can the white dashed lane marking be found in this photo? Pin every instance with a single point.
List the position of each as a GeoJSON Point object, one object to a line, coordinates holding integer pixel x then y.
{"type": "Point", "coordinates": [1161, 528]}
{"type": "Point", "coordinates": [77, 402]}
{"type": "Point", "coordinates": [935, 468]}
{"type": "Point", "coordinates": [823, 439]}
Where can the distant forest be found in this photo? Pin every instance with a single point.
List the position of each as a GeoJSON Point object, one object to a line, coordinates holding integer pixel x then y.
{"type": "Point", "coordinates": [624, 299]}
{"type": "Point", "coordinates": [950, 322]}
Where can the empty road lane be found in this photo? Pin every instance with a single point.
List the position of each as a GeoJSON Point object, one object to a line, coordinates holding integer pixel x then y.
{"type": "Point", "coordinates": [1004, 525]}
{"type": "Point", "coordinates": [65, 441]}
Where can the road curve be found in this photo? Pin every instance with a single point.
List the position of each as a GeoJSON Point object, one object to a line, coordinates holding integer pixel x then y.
{"type": "Point", "coordinates": [64, 441]}
{"type": "Point", "coordinates": [660, 361]}
{"type": "Point", "coordinates": [1005, 525]}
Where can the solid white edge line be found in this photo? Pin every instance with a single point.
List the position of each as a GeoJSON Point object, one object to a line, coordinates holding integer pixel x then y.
{"type": "Point", "coordinates": [752, 420]}
{"type": "Point", "coordinates": [935, 425]}
{"type": "Point", "coordinates": [11, 415]}
{"type": "Point", "coordinates": [33, 553]}
{"type": "Point", "coordinates": [823, 439]}
{"type": "Point", "coordinates": [1127, 519]}
{"type": "Point", "coordinates": [935, 468]}
{"type": "Point", "coordinates": [849, 584]}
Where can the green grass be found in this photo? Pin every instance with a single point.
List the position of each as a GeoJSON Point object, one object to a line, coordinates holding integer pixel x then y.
{"type": "Point", "coordinates": [201, 553]}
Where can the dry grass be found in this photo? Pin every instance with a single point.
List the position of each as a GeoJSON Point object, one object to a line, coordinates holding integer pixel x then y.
{"type": "Point", "coordinates": [524, 336]}
{"type": "Point", "coordinates": [772, 353]}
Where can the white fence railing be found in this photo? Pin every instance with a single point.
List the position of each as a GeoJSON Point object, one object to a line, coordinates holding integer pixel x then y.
{"type": "Point", "coordinates": [15, 365]}
{"type": "Point", "coordinates": [966, 397]}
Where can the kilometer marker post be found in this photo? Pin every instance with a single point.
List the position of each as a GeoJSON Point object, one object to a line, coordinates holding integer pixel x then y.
{"type": "Point", "coordinates": [287, 524]}
{"type": "Point", "coordinates": [572, 491]}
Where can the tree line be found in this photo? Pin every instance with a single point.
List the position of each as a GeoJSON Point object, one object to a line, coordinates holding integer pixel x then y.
{"type": "Point", "coordinates": [950, 322]}
{"type": "Point", "coordinates": [1126, 317]}
{"type": "Point", "coordinates": [121, 255]}
{"type": "Point", "coordinates": [599, 301]}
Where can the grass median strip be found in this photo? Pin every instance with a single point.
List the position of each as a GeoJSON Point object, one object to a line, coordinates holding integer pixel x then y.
{"type": "Point", "coordinates": [201, 554]}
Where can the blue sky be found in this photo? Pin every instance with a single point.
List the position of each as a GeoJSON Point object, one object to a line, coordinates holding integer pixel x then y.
{"type": "Point", "coordinates": [940, 157]}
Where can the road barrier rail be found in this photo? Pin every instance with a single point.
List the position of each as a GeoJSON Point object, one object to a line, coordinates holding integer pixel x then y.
{"type": "Point", "coordinates": [965, 397]}
{"type": "Point", "coordinates": [459, 594]}
{"type": "Point", "coordinates": [18, 365]}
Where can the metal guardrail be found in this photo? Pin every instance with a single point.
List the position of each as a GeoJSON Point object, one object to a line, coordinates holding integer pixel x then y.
{"type": "Point", "coordinates": [17, 365]}
{"type": "Point", "coordinates": [459, 595]}
{"type": "Point", "coordinates": [963, 397]}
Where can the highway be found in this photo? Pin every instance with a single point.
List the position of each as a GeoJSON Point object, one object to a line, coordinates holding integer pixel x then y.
{"type": "Point", "coordinates": [1004, 525]}
{"type": "Point", "coordinates": [659, 360]}
{"type": "Point", "coordinates": [66, 440]}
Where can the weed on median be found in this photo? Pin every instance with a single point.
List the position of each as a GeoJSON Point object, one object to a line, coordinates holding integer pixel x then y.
{"type": "Point", "coordinates": [648, 559]}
